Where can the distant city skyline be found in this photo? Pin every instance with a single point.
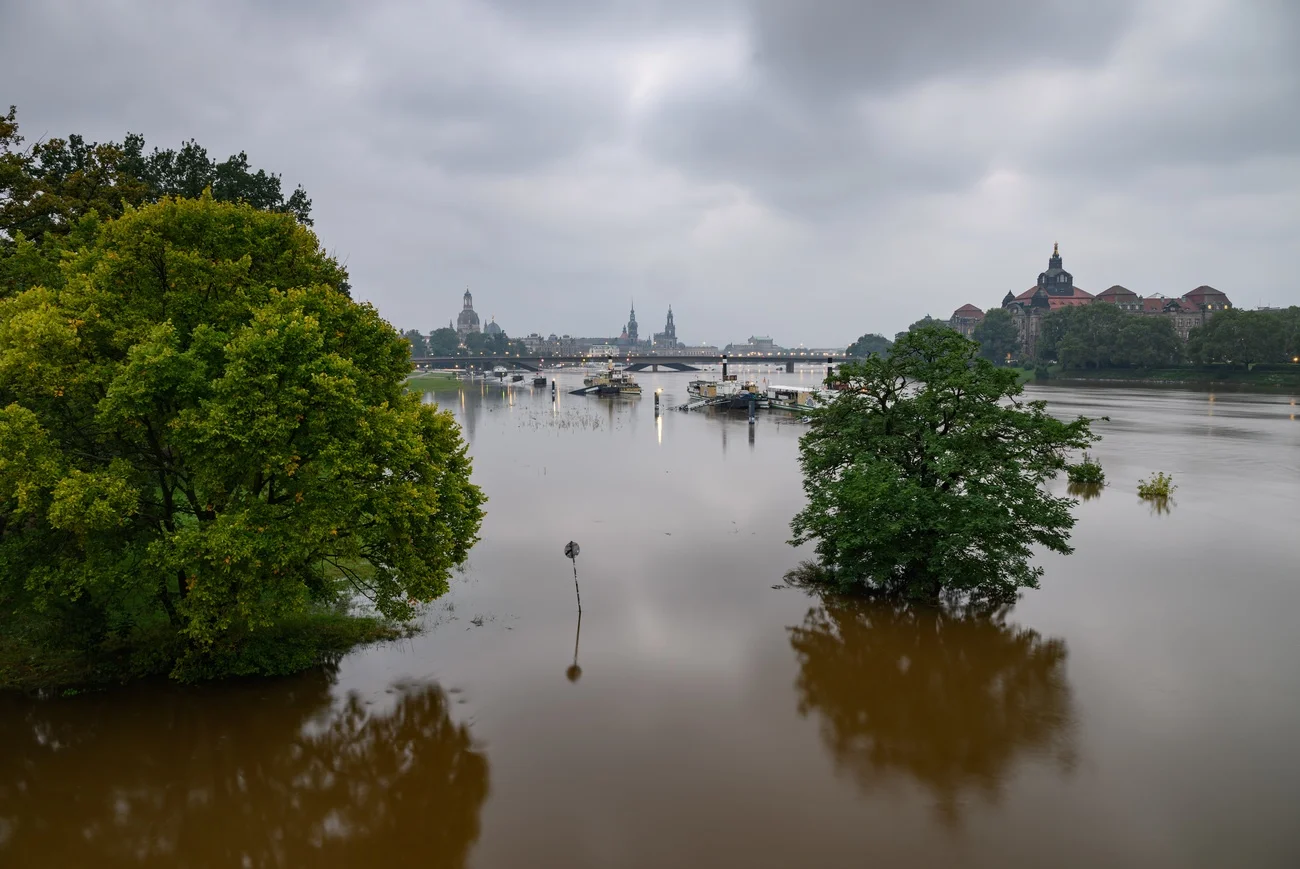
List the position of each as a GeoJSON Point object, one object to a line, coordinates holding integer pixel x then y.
{"type": "Point", "coordinates": [812, 170]}
{"type": "Point", "coordinates": [468, 320]}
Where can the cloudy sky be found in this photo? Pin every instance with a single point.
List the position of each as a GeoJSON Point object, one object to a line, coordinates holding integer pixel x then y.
{"type": "Point", "coordinates": [809, 169]}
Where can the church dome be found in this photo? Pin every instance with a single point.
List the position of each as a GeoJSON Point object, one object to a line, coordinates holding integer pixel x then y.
{"type": "Point", "coordinates": [492, 328]}
{"type": "Point", "coordinates": [467, 321]}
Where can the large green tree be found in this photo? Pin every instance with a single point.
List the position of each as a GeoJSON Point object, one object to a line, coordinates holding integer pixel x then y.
{"type": "Point", "coordinates": [1145, 342]}
{"type": "Point", "coordinates": [443, 342]}
{"type": "Point", "coordinates": [869, 344]}
{"type": "Point", "coordinates": [1246, 337]}
{"type": "Point", "coordinates": [924, 474]}
{"type": "Point", "coordinates": [47, 187]}
{"type": "Point", "coordinates": [997, 336]}
{"type": "Point", "coordinates": [418, 343]}
{"type": "Point", "coordinates": [195, 422]}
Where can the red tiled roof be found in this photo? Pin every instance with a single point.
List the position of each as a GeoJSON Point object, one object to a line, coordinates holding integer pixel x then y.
{"type": "Point", "coordinates": [1203, 292]}
{"type": "Point", "coordinates": [968, 310]}
{"type": "Point", "coordinates": [1156, 304]}
{"type": "Point", "coordinates": [1116, 290]}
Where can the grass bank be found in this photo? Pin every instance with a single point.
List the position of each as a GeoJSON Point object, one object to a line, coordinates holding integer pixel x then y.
{"type": "Point", "coordinates": [34, 661]}
{"type": "Point", "coordinates": [1271, 376]}
{"type": "Point", "coordinates": [428, 381]}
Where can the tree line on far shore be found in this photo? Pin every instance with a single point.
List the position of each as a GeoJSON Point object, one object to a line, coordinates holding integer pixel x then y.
{"type": "Point", "coordinates": [1104, 336]}
{"type": "Point", "coordinates": [445, 342]}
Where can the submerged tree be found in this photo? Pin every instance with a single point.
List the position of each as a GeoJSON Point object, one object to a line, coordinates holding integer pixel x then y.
{"type": "Point", "coordinates": [924, 474]}
{"type": "Point", "coordinates": [196, 422]}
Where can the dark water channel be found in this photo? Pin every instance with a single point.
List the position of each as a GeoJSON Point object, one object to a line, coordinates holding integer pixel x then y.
{"type": "Point", "coordinates": [1141, 709]}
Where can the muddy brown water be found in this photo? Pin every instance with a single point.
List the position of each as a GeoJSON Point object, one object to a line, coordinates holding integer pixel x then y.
{"type": "Point", "coordinates": [1141, 709]}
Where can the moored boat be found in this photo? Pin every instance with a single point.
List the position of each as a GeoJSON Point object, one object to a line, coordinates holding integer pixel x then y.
{"type": "Point", "coordinates": [612, 381]}
{"type": "Point", "coordinates": [797, 398]}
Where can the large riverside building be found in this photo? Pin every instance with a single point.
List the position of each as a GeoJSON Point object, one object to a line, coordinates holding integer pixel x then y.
{"type": "Point", "coordinates": [965, 319]}
{"type": "Point", "coordinates": [1055, 289]}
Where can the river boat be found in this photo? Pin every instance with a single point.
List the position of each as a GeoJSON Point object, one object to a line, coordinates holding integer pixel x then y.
{"type": "Point", "coordinates": [796, 398]}
{"type": "Point", "coordinates": [539, 380]}
{"type": "Point", "coordinates": [515, 378]}
{"type": "Point", "coordinates": [612, 382]}
{"type": "Point", "coordinates": [731, 392]}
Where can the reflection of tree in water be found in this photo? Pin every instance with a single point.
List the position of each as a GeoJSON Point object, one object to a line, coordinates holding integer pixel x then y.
{"type": "Point", "coordinates": [272, 776]}
{"type": "Point", "coordinates": [949, 697]}
{"type": "Point", "coordinates": [1085, 491]}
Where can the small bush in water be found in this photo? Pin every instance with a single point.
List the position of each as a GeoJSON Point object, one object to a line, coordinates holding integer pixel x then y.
{"type": "Point", "coordinates": [1159, 486]}
{"type": "Point", "coordinates": [1086, 473]}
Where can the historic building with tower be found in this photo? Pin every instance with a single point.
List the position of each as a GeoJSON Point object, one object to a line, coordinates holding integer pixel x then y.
{"type": "Point", "coordinates": [1055, 289]}
{"type": "Point", "coordinates": [629, 336]}
{"type": "Point", "coordinates": [468, 322]}
{"type": "Point", "coordinates": [668, 337]}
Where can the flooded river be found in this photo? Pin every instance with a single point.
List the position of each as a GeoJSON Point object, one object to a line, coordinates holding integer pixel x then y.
{"type": "Point", "coordinates": [1140, 709]}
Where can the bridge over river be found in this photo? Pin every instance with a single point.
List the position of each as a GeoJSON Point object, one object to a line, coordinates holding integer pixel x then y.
{"type": "Point", "coordinates": [633, 361]}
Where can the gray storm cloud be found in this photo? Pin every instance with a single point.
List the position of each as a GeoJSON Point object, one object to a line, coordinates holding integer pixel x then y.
{"type": "Point", "coordinates": [813, 170]}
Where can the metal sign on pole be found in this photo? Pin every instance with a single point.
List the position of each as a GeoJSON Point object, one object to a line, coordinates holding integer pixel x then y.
{"type": "Point", "coordinates": [571, 551]}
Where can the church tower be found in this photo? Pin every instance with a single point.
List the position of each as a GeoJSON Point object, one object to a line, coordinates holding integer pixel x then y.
{"type": "Point", "coordinates": [468, 321]}
{"type": "Point", "coordinates": [631, 325]}
{"type": "Point", "coordinates": [1056, 281]}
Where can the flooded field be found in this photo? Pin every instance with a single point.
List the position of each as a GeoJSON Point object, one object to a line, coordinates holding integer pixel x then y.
{"type": "Point", "coordinates": [1140, 709]}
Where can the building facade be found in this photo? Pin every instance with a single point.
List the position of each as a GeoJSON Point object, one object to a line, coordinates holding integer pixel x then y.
{"type": "Point", "coordinates": [965, 319]}
{"type": "Point", "coordinates": [1055, 289]}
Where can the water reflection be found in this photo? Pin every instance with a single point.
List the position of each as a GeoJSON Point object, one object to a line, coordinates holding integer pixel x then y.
{"type": "Point", "coordinates": [229, 777]}
{"type": "Point", "coordinates": [1085, 491]}
{"type": "Point", "coordinates": [1160, 506]}
{"type": "Point", "coordinates": [950, 698]}
{"type": "Point", "coordinates": [573, 673]}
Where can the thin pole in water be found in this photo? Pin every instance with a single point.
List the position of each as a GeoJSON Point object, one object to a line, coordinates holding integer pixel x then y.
{"type": "Point", "coordinates": [571, 551]}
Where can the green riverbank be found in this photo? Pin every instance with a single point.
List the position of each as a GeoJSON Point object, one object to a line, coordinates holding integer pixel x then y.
{"type": "Point", "coordinates": [428, 381]}
{"type": "Point", "coordinates": [1265, 376]}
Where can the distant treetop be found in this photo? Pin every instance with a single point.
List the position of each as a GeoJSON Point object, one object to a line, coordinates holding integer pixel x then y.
{"type": "Point", "coordinates": [47, 186]}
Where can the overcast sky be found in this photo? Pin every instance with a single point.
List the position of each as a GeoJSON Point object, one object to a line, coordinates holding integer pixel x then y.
{"type": "Point", "coordinates": [808, 169]}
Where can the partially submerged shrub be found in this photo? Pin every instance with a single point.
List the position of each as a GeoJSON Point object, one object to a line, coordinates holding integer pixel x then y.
{"type": "Point", "coordinates": [1087, 473]}
{"type": "Point", "coordinates": [1159, 486]}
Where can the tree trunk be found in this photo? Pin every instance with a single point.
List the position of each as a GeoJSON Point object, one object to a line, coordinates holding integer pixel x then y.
{"type": "Point", "coordinates": [165, 598]}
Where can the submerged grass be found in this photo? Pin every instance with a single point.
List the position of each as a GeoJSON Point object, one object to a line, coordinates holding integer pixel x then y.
{"type": "Point", "coordinates": [430, 380]}
{"type": "Point", "coordinates": [31, 660]}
